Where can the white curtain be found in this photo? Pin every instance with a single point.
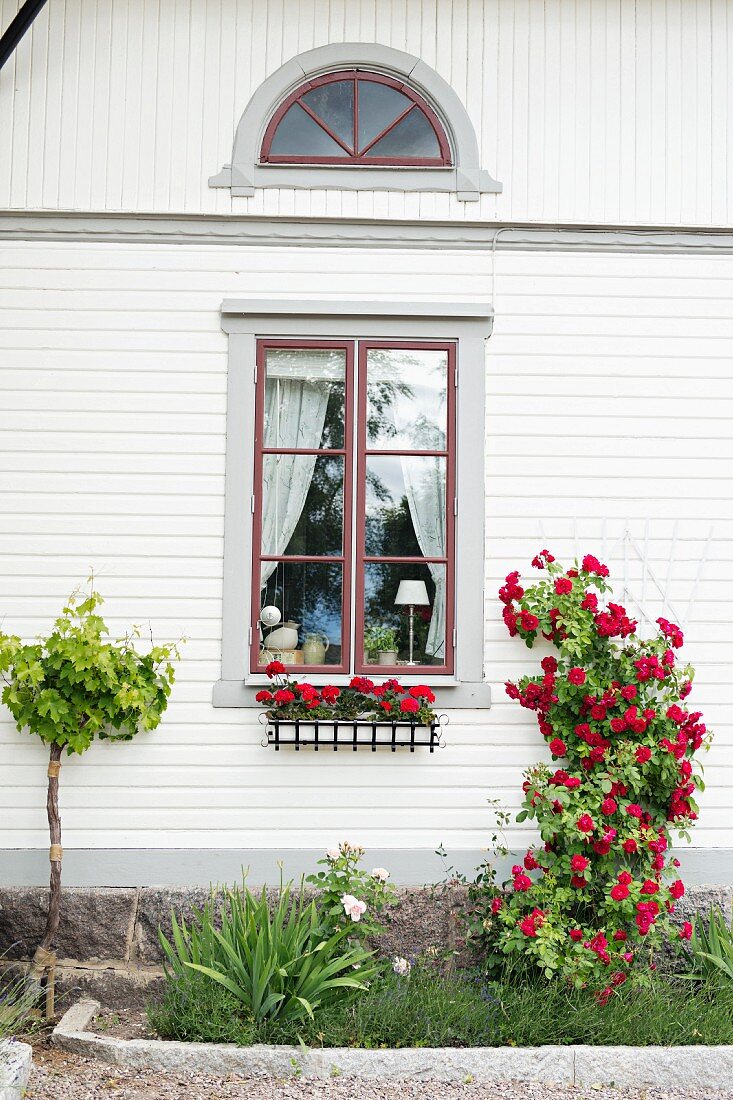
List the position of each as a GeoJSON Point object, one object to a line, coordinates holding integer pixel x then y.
{"type": "Point", "coordinates": [425, 488]}
{"type": "Point", "coordinates": [295, 412]}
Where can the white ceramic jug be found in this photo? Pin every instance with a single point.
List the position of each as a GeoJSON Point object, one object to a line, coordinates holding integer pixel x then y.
{"type": "Point", "coordinates": [285, 637]}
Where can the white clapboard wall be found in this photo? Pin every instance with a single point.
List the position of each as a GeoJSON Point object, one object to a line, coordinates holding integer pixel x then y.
{"type": "Point", "coordinates": [609, 403]}
{"type": "Point", "coordinates": [590, 111]}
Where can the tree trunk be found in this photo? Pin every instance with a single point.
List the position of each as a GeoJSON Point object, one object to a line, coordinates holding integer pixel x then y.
{"type": "Point", "coordinates": [44, 959]}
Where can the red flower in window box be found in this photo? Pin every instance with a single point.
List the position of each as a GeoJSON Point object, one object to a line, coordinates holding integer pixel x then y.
{"type": "Point", "coordinates": [284, 695]}
{"type": "Point", "coordinates": [420, 691]}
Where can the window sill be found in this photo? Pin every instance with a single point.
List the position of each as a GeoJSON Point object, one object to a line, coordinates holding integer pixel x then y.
{"type": "Point", "coordinates": [450, 694]}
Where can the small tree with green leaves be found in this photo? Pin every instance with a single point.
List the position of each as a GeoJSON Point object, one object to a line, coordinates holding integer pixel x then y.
{"type": "Point", "coordinates": [70, 688]}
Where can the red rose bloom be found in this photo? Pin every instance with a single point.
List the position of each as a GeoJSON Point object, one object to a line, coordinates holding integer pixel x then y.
{"type": "Point", "coordinates": [619, 892]}
{"type": "Point", "coordinates": [563, 586]}
{"type": "Point", "coordinates": [686, 931]}
{"type": "Point", "coordinates": [528, 621]}
{"type": "Point", "coordinates": [572, 782]}
{"type": "Point", "coordinates": [522, 882]}
{"type": "Point", "coordinates": [543, 558]}
{"type": "Point", "coordinates": [549, 665]}
{"type": "Point", "coordinates": [528, 926]}
{"type": "Point", "coordinates": [628, 692]}
{"type": "Point", "coordinates": [609, 806]}
{"type": "Point", "coordinates": [677, 888]}
{"type": "Point", "coordinates": [577, 882]}
{"type": "Point", "coordinates": [576, 934]}
{"type": "Point", "coordinates": [630, 846]}
{"type": "Point", "coordinates": [496, 904]}
{"type": "Point", "coordinates": [576, 676]}
{"type": "Point", "coordinates": [558, 747]}
{"type": "Point", "coordinates": [579, 863]}
{"type": "Point", "coordinates": [643, 754]}
{"type": "Point", "coordinates": [591, 564]}
{"type": "Point", "coordinates": [585, 823]}
{"type": "Point", "coordinates": [634, 810]}
{"type": "Point", "coordinates": [649, 887]}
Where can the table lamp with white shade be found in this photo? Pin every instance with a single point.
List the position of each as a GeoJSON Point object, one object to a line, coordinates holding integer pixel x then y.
{"type": "Point", "coordinates": [412, 594]}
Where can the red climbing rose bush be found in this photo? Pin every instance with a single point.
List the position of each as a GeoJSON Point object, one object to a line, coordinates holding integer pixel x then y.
{"type": "Point", "coordinates": [594, 900]}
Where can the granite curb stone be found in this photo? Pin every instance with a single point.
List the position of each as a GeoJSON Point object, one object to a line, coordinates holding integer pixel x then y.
{"type": "Point", "coordinates": [703, 1067]}
{"type": "Point", "coordinates": [15, 1068]}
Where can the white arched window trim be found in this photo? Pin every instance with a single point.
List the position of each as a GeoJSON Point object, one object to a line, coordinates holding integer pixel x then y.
{"type": "Point", "coordinates": [465, 178]}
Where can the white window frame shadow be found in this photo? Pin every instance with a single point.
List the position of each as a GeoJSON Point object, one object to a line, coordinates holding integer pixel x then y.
{"type": "Point", "coordinates": [469, 325]}
{"type": "Point", "coordinates": [465, 177]}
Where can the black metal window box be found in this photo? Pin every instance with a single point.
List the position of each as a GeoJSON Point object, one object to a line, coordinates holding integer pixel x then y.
{"type": "Point", "coordinates": [352, 734]}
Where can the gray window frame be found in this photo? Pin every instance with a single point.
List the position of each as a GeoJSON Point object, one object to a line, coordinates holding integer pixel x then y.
{"type": "Point", "coordinates": [465, 177]}
{"type": "Point", "coordinates": [469, 325]}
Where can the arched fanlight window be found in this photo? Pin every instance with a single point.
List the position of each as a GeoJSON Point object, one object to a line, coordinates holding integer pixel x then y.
{"type": "Point", "coordinates": [355, 117]}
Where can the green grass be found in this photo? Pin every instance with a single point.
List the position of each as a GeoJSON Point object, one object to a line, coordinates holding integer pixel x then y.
{"type": "Point", "coordinates": [428, 1009]}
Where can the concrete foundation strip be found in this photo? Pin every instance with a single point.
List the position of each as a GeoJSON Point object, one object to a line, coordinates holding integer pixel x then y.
{"type": "Point", "coordinates": [693, 1067]}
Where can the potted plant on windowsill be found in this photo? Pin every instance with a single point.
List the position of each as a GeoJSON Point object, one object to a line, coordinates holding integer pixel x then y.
{"type": "Point", "coordinates": [382, 641]}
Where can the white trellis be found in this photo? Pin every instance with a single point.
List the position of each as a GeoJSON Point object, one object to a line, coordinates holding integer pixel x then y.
{"type": "Point", "coordinates": [628, 547]}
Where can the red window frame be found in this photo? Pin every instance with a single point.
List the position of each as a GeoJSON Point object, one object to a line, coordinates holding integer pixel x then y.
{"type": "Point", "coordinates": [354, 155]}
{"type": "Point", "coordinates": [356, 452]}
{"type": "Point", "coordinates": [363, 453]}
{"type": "Point", "coordinates": [345, 558]}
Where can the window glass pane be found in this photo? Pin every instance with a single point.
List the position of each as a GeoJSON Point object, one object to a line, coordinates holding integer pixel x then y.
{"type": "Point", "coordinates": [297, 135]}
{"type": "Point", "coordinates": [302, 504]}
{"type": "Point", "coordinates": [304, 397]}
{"type": "Point", "coordinates": [407, 399]}
{"type": "Point", "coordinates": [334, 103]}
{"type": "Point", "coordinates": [309, 596]}
{"type": "Point", "coordinates": [381, 589]}
{"type": "Point", "coordinates": [378, 106]}
{"type": "Point", "coordinates": [405, 506]}
{"type": "Point", "coordinates": [413, 137]}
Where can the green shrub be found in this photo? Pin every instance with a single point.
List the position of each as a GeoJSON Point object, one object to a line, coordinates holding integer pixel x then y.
{"type": "Point", "coordinates": [278, 965]}
{"type": "Point", "coordinates": [349, 897]}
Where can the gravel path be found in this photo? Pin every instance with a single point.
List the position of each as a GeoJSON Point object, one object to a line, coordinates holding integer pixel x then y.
{"type": "Point", "coordinates": [60, 1076]}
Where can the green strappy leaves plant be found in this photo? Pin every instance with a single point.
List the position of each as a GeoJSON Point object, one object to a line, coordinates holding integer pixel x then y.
{"type": "Point", "coordinates": [277, 961]}
{"type": "Point", "coordinates": [711, 949]}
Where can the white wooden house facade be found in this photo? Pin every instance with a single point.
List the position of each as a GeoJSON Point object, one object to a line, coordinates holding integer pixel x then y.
{"type": "Point", "coordinates": [557, 225]}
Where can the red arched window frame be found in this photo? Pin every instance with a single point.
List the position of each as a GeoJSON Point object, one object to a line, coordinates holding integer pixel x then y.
{"type": "Point", "coordinates": [355, 155]}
